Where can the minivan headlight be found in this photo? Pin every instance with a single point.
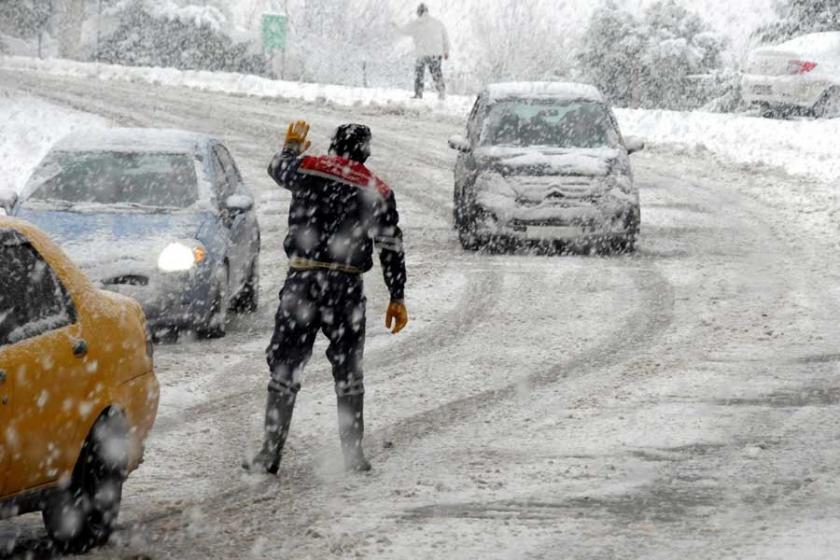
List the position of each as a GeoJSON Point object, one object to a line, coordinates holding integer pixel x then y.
{"type": "Point", "coordinates": [620, 181]}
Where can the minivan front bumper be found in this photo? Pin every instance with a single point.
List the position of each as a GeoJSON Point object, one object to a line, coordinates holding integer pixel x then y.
{"type": "Point", "coordinates": [583, 224]}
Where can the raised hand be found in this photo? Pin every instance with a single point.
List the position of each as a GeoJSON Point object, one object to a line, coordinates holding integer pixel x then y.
{"type": "Point", "coordinates": [296, 137]}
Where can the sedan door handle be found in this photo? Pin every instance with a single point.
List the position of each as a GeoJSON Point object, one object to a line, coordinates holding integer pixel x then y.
{"type": "Point", "coordinates": [80, 348]}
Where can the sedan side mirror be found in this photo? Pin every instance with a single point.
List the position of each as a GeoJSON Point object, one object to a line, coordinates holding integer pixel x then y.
{"type": "Point", "coordinates": [239, 204]}
{"type": "Point", "coordinates": [8, 199]}
{"type": "Point", "coordinates": [634, 144]}
{"type": "Point", "coordinates": [459, 143]}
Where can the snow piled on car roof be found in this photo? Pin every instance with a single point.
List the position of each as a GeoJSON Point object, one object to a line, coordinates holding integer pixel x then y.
{"type": "Point", "coordinates": [157, 140]}
{"type": "Point", "coordinates": [566, 91]}
{"type": "Point", "coordinates": [826, 42]}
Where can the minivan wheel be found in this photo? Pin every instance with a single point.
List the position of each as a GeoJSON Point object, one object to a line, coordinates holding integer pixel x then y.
{"type": "Point", "coordinates": [82, 516]}
{"type": "Point", "coordinates": [469, 240]}
{"type": "Point", "coordinates": [828, 107]}
{"type": "Point", "coordinates": [465, 224]}
{"type": "Point", "coordinates": [626, 243]}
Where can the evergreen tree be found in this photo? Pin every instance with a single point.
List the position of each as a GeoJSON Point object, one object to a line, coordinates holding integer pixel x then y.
{"type": "Point", "coordinates": [612, 46]}
{"type": "Point", "coordinates": [143, 39]}
{"type": "Point", "coordinates": [652, 61]}
{"type": "Point", "coordinates": [25, 18]}
{"type": "Point", "coordinates": [799, 17]}
{"type": "Point", "coordinates": [679, 47]}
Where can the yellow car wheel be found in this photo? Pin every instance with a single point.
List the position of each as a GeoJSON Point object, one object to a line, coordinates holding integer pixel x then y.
{"type": "Point", "coordinates": [83, 515]}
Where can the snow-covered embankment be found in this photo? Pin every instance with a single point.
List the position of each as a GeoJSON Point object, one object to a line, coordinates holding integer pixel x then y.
{"type": "Point", "coordinates": [801, 147]}
{"type": "Point", "coordinates": [28, 127]}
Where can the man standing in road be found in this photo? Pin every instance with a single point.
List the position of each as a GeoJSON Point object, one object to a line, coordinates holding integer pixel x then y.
{"type": "Point", "coordinates": [431, 45]}
{"type": "Point", "coordinates": [339, 211]}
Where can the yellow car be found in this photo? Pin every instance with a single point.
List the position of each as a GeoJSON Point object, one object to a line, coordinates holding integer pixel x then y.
{"type": "Point", "coordinates": [78, 393]}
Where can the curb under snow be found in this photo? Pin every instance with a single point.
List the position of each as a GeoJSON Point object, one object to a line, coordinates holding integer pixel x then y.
{"type": "Point", "coordinates": [245, 84]}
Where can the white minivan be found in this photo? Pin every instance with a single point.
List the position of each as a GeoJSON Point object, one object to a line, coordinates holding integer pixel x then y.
{"type": "Point", "coordinates": [801, 75]}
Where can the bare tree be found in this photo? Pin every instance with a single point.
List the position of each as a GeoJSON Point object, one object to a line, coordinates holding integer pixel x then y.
{"type": "Point", "coordinates": [518, 41]}
{"type": "Point", "coordinates": [69, 17]}
{"type": "Point", "coordinates": [340, 41]}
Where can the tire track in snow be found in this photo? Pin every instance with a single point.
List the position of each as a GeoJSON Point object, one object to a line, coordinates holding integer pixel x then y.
{"type": "Point", "coordinates": [300, 483]}
{"type": "Point", "coordinates": [142, 112]}
{"type": "Point", "coordinates": [463, 320]}
{"type": "Point", "coordinates": [673, 496]}
{"type": "Point", "coordinates": [650, 319]}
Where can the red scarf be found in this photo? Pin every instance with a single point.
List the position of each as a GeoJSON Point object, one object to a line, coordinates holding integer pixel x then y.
{"type": "Point", "coordinates": [345, 171]}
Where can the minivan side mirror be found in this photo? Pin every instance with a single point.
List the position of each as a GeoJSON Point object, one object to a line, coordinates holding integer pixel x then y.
{"type": "Point", "coordinates": [238, 204]}
{"type": "Point", "coordinates": [634, 144]}
{"type": "Point", "coordinates": [459, 143]}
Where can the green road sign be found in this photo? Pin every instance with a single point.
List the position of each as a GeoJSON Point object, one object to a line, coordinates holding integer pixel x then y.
{"type": "Point", "coordinates": [274, 31]}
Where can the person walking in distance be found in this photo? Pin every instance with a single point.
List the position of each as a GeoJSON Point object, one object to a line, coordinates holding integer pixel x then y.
{"type": "Point", "coordinates": [431, 45]}
{"type": "Point", "coordinates": [338, 213]}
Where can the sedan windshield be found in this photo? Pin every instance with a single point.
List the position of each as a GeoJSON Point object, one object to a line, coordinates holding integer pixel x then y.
{"type": "Point", "coordinates": [116, 178]}
{"type": "Point", "coordinates": [562, 124]}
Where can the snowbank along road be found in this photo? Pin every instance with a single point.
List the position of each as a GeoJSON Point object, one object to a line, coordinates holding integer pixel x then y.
{"type": "Point", "coordinates": [681, 401]}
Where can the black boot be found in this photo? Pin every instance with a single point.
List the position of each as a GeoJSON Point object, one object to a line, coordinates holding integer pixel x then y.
{"type": "Point", "coordinates": [278, 417]}
{"type": "Point", "coordinates": [351, 428]}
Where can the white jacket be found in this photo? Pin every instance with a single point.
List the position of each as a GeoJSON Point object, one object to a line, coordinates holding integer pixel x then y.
{"type": "Point", "coordinates": [429, 34]}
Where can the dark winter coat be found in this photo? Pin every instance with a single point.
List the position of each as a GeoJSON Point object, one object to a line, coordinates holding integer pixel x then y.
{"type": "Point", "coordinates": [339, 211]}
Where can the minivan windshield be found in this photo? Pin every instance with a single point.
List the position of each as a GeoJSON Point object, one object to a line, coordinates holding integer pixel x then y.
{"type": "Point", "coordinates": [116, 178]}
{"type": "Point", "coordinates": [549, 122]}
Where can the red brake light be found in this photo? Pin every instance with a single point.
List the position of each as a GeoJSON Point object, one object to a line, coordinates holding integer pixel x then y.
{"type": "Point", "coordinates": [801, 66]}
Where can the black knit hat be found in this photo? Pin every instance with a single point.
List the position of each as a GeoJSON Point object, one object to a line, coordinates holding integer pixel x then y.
{"type": "Point", "coordinates": [351, 141]}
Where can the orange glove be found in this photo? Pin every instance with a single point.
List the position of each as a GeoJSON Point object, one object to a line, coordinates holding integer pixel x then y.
{"type": "Point", "coordinates": [396, 318]}
{"type": "Point", "coordinates": [296, 137]}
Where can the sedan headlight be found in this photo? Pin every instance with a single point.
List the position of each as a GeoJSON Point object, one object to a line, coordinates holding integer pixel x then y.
{"type": "Point", "coordinates": [179, 257]}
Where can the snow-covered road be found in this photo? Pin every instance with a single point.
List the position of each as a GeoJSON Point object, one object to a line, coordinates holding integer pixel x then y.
{"type": "Point", "coordinates": [682, 401]}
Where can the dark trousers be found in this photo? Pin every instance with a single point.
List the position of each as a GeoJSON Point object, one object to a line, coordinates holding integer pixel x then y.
{"type": "Point", "coordinates": [313, 300]}
{"type": "Point", "coordinates": [434, 64]}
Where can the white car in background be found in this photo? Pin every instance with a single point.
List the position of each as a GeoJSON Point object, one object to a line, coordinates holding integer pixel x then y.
{"type": "Point", "coordinates": [802, 74]}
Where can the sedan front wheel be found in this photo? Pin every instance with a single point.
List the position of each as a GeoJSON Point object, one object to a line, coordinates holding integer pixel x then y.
{"type": "Point", "coordinates": [216, 325]}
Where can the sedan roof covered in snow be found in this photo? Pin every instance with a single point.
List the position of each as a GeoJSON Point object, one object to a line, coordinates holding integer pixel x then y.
{"type": "Point", "coordinates": [544, 90]}
{"type": "Point", "coordinates": [136, 140]}
{"type": "Point", "coordinates": [828, 41]}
